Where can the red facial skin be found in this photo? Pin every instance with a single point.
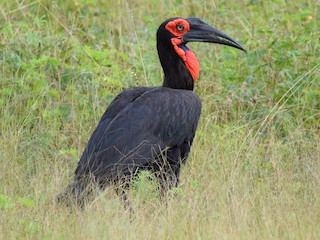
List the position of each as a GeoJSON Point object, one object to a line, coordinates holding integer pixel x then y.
{"type": "Point", "coordinates": [178, 28]}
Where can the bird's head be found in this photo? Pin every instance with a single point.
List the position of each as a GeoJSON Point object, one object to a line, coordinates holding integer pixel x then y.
{"type": "Point", "coordinates": [175, 33]}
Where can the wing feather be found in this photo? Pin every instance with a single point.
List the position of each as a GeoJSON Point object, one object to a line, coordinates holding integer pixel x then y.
{"type": "Point", "coordinates": [136, 135]}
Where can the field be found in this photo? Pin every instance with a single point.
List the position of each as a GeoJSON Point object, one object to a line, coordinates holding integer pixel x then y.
{"type": "Point", "coordinates": [254, 169]}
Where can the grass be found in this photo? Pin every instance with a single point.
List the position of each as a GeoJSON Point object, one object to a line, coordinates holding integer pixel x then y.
{"type": "Point", "coordinates": [254, 169]}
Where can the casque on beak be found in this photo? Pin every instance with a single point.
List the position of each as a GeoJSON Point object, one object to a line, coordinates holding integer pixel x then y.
{"type": "Point", "coordinates": [202, 32]}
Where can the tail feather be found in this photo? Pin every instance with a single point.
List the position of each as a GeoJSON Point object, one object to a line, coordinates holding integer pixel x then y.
{"type": "Point", "coordinates": [78, 193]}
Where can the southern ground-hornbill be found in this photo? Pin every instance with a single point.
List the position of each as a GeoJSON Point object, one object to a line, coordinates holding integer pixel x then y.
{"type": "Point", "coordinates": [148, 128]}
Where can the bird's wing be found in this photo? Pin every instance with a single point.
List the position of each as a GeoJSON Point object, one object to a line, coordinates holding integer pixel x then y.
{"type": "Point", "coordinates": [158, 119]}
{"type": "Point", "coordinates": [117, 105]}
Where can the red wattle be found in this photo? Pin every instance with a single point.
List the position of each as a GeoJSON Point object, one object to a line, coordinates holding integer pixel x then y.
{"type": "Point", "coordinates": [192, 64]}
{"type": "Point", "coordinates": [188, 57]}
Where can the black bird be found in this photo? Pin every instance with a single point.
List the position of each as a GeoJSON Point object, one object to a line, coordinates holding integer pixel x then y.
{"type": "Point", "coordinates": [148, 128]}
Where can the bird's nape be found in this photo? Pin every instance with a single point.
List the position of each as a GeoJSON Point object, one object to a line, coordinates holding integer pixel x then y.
{"type": "Point", "coordinates": [180, 65]}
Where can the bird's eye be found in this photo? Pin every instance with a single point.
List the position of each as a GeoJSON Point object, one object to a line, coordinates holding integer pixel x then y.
{"type": "Point", "coordinates": [180, 27]}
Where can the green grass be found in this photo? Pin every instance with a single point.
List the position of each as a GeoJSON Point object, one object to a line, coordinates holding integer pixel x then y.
{"type": "Point", "coordinates": [254, 169]}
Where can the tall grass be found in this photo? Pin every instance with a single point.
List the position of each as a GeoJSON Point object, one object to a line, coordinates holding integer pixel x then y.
{"type": "Point", "coordinates": [254, 169]}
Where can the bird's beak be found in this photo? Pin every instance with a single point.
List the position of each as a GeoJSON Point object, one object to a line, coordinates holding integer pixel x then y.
{"type": "Point", "coordinates": [202, 32]}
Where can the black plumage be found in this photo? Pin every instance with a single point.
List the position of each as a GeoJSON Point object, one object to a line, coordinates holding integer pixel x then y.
{"type": "Point", "coordinates": [148, 128]}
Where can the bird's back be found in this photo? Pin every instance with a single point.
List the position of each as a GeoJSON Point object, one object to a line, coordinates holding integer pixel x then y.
{"type": "Point", "coordinates": [137, 126]}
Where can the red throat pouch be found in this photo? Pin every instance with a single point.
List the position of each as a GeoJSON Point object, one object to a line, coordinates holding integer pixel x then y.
{"type": "Point", "coordinates": [188, 57]}
{"type": "Point", "coordinates": [192, 64]}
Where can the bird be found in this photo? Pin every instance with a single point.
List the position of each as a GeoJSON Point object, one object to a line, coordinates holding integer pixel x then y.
{"type": "Point", "coordinates": [148, 128]}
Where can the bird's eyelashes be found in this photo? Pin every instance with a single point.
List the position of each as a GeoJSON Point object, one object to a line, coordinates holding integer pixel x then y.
{"type": "Point", "coordinates": [180, 27]}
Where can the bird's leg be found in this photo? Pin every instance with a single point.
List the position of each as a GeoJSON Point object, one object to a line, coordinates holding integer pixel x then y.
{"type": "Point", "coordinates": [169, 179]}
{"type": "Point", "coordinates": [125, 200]}
{"type": "Point", "coordinates": [121, 192]}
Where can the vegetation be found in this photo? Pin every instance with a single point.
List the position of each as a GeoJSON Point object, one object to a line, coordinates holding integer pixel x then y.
{"type": "Point", "coordinates": [254, 170]}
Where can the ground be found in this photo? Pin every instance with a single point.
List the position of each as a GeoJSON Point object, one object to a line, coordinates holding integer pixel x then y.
{"type": "Point", "coordinates": [254, 169]}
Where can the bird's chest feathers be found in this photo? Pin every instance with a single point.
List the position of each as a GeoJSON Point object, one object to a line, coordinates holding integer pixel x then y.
{"type": "Point", "coordinates": [187, 56]}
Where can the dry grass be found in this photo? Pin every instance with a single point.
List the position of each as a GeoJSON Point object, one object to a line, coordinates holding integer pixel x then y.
{"type": "Point", "coordinates": [254, 169]}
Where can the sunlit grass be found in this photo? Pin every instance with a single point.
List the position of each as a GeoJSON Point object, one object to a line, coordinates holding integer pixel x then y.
{"type": "Point", "coordinates": [254, 169]}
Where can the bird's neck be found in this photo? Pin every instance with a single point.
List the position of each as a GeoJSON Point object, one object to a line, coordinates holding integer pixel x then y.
{"type": "Point", "coordinates": [178, 76]}
{"type": "Point", "coordinates": [176, 72]}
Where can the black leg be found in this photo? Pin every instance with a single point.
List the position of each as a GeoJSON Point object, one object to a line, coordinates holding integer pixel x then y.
{"type": "Point", "coordinates": [121, 192]}
{"type": "Point", "coordinates": [168, 179]}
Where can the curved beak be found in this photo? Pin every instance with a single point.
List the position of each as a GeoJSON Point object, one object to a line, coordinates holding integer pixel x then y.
{"type": "Point", "coordinates": [202, 32]}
